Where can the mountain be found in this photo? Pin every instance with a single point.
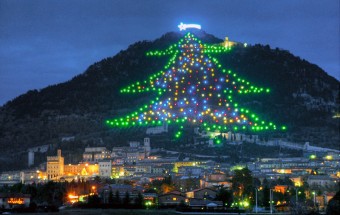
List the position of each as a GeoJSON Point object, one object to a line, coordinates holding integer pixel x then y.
{"type": "Point", "coordinates": [303, 97]}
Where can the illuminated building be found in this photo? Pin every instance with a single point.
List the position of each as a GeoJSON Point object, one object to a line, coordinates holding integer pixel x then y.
{"type": "Point", "coordinates": [173, 198]}
{"type": "Point", "coordinates": [283, 166]}
{"type": "Point", "coordinates": [281, 188]}
{"type": "Point", "coordinates": [81, 170]}
{"type": "Point", "coordinates": [105, 168]}
{"type": "Point", "coordinates": [89, 169]}
{"type": "Point", "coordinates": [122, 189]}
{"type": "Point", "coordinates": [227, 43]}
{"type": "Point", "coordinates": [158, 170]}
{"type": "Point", "coordinates": [132, 157]}
{"type": "Point", "coordinates": [202, 193]}
{"type": "Point", "coordinates": [318, 181]}
{"type": "Point", "coordinates": [143, 169]}
{"type": "Point", "coordinates": [297, 180]}
{"type": "Point", "coordinates": [71, 169]}
{"type": "Point", "coordinates": [147, 147]}
{"type": "Point", "coordinates": [132, 154]}
{"type": "Point", "coordinates": [96, 153]}
{"type": "Point", "coordinates": [158, 129]}
{"type": "Point", "coordinates": [55, 166]}
{"type": "Point", "coordinates": [11, 200]}
{"type": "Point", "coordinates": [118, 171]}
{"type": "Point", "coordinates": [22, 176]}
{"type": "Point", "coordinates": [190, 170]}
{"type": "Point", "coordinates": [283, 171]}
{"type": "Point", "coordinates": [215, 179]}
{"type": "Point", "coordinates": [184, 163]}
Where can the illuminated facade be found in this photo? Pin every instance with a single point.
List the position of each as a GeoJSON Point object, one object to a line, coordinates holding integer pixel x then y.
{"type": "Point", "coordinates": [202, 193]}
{"type": "Point", "coordinates": [172, 199]}
{"type": "Point", "coordinates": [55, 166]}
{"type": "Point", "coordinates": [118, 171]}
{"type": "Point", "coordinates": [71, 169]}
{"type": "Point", "coordinates": [81, 169]}
{"type": "Point", "coordinates": [105, 168]}
{"type": "Point", "coordinates": [132, 154]}
{"type": "Point", "coordinates": [215, 180]}
{"type": "Point", "coordinates": [318, 181]}
{"type": "Point", "coordinates": [96, 154]}
{"type": "Point", "coordinates": [11, 200]}
{"type": "Point", "coordinates": [227, 43]}
{"type": "Point", "coordinates": [184, 163]}
{"type": "Point", "coordinates": [158, 129]}
{"type": "Point", "coordinates": [281, 188]}
{"type": "Point", "coordinates": [143, 169]}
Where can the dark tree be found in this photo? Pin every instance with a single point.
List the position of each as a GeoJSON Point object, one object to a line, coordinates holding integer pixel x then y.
{"type": "Point", "coordinates": [139, 200]}
{"type": "Point", "coordinates": [110, 196]}
{"type": "Point", "coordinates": [243, 182]}
{"type": "Point", "coordinates": [126, 200]}
{"type": "Point", "coordinates": [225, 196]}
{"type": "Point", "coordinates": [117, 200]}
{"type": "Point", "coordinates": [333, 207]}
{"type": "Point", "coordinates": [94, 200]}
{"type": "Point", "coordinates": [256, 182]}
{"type": "Point", "coordinates": [266, 197]}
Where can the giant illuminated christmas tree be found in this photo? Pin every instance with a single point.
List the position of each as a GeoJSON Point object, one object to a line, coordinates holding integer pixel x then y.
{"type": "Point", "coordinates": [194, 88]}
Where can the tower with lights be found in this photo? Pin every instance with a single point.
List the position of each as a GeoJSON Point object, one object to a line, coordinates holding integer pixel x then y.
{"type": "Point", "coordinates": [194, 88]}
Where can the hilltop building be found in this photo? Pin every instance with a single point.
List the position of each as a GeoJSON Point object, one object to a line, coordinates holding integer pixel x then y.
{"type": "Point", "coordinates": [158, 129]}
{"type": "Point", "coordinates": [228, 43]}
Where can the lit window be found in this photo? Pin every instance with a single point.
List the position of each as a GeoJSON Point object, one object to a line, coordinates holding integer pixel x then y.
{"type": "Point", "coordinates": [174, 199]}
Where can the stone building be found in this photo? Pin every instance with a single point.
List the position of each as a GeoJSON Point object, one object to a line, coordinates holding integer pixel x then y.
{"type": "Point", "coordinates": [55, 166]}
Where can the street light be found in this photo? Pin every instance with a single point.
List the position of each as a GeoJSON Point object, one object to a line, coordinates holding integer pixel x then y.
{"type": "Point", "coordinates": [256, 198]}
{"type": "Point", "coordinates": [271, 200]}
{"type": "Point", "coordinates": [93, 189]}
{"type": "Point", "coordinates": [314, 198]}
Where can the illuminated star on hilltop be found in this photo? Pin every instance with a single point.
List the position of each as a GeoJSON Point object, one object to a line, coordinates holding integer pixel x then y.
{"type": "Point", "coordinates": [183, 27]}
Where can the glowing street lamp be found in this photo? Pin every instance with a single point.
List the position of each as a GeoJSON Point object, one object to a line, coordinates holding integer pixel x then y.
{"type": "Point", "coordinates": [297, 193]}
{"type": "Point", "coordinates": [271, 200]}
{"type": "Point", "coordinates": [93, 189]}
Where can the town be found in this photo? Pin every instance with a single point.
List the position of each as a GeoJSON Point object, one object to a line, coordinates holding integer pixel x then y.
{"type": "Point", "coordinates": [159, 178]}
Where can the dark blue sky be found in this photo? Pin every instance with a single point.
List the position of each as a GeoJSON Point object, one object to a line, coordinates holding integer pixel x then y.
{"type": "Point", "coordinates": [48, 42]}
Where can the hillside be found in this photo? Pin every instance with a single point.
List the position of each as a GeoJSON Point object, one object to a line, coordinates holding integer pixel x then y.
{"type": "Point", "coordinates": [303, 97]}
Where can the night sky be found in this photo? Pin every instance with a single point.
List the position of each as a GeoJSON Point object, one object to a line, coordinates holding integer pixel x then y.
{"type": "Point", "coordinates": [49, 42]}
